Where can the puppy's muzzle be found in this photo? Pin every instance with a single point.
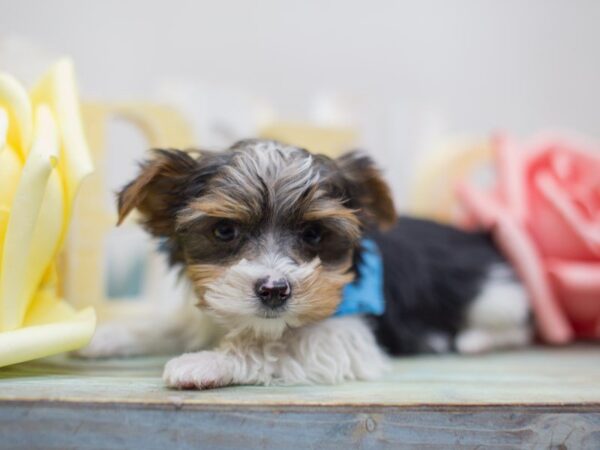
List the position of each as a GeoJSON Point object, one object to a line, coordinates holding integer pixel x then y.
{"type": "Point", "coordinates": [273, 293]}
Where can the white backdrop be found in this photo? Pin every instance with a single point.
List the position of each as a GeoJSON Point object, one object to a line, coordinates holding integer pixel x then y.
{"type": "Point", "coordinates": [414, 70]}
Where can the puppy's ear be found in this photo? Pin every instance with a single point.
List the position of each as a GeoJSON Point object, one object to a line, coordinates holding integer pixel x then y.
{"type": "Point", "coordinates": [368, 190]}
{"type": "Point", "coordinates": [159, 190]}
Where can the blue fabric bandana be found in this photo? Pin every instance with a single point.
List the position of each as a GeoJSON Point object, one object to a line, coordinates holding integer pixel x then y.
{"type": "Point", "coordinates": [365, 294]}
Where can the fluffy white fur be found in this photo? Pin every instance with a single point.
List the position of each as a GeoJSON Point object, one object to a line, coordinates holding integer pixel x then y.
{"type": "Point", "coordinates": [232, 302]}
{"type": "Point", "coordinates": [335, 350]}
{"type": "Point", "coordinates": [256, 350]}
{"type": "Point", "coordinates": [498, 317]}
{"type": "Point", "coordinates": [183, 329]}
{"type": "Point", "coordinates": [332, 351]}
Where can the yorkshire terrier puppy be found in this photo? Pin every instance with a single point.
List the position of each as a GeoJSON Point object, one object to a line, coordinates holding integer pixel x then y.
{"type": "Point", "coordinates": [273, 238]}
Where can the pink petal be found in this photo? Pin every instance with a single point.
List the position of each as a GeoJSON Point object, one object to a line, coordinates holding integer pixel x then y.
{"type": "Point", "coordinates": [569, 224]}
{"type": "Point", "coordinates": [478, 205]}
{"type": "Point", "coordinates": [511, 179]}
{"type": "Point", "coordinates": [578, 285]}
{"type": "Point", "coordinates": [519, 249]}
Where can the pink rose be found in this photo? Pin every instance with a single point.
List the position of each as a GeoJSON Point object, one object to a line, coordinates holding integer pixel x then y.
{"type": "Point", "coordinates": [544, 213]}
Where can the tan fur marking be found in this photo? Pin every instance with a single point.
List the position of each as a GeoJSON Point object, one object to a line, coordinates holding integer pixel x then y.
{"type": "Point", "coordinates": [320, 295]}
{"type": "Point", "coordinates": [218, 206]}
{"type": "Point", "coordinates": [200, 275]}
{"type": "Point", "coordinates": [329, 209]}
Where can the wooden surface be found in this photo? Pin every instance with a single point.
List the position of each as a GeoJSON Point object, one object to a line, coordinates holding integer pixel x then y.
{"type": "Point", "coordinates": [540, 398]}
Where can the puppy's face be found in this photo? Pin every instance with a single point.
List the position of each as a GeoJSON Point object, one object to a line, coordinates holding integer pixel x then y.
{"type": "Point", "coordinates": [266, 233]}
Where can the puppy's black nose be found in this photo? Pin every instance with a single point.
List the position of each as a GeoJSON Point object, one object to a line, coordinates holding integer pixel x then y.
{"type": "Point", "coordinates": [273, 293]}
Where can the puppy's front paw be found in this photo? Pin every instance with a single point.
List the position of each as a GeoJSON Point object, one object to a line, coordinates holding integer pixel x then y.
{"type": "Point", "coordinates": [202, 370]}
{"type": "Point", "coordinates": [114, 339]}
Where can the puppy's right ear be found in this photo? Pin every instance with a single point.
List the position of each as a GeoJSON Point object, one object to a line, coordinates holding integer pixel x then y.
{"type": "Point", "coordinates": [368, 190]}
{"type": "Point", "coordinates": [159, 191]}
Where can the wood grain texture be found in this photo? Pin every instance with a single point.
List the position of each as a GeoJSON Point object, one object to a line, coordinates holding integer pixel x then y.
{"type": "Point", "coordinates": [539, 398]}
{"type": "Point", "coordinates": [86, 427]}
{"type": "Point", "coordinates": [544, 376]}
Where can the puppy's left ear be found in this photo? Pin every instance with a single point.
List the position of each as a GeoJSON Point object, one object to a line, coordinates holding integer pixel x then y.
{"type": "Point", "coordinates": [368, 190]}
{"type": "Point", "coordinates": [158, 191]}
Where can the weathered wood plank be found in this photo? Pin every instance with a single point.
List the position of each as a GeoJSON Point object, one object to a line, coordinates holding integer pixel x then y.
{"type": "Point", "coordinates": [532, 377]}
{"type": "Point", "coordinates": [537, 398]}
{"type": "Point", "coordinates": [29, 426]}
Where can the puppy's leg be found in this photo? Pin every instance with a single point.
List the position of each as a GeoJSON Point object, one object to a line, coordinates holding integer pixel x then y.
{"type": "Point", "coordinates": [203, 370]}
{"type": "Point", "coordinates": [475, 340]}
{"type": "Point", "coordinates": [184, 329]}
{"type": "Point", "coordinates": [498, 317]}
{"type": "Point", "coordinates": [333, 351]}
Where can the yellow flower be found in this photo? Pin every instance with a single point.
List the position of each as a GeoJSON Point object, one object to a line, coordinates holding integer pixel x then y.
{"type": "Point", "coordinates": [43, 159]}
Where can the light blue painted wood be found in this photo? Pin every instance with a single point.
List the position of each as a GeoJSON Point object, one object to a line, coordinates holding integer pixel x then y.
{"type": "Point", "coordinates": [537, 398]}
{"type": "Point", "coordinates": [543, 376]}
{"type": "Point", "coordinates": [95, 427]}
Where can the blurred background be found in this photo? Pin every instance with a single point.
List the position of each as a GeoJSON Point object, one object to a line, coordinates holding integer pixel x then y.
{"type": "Point", "coordinates": [403, 75]}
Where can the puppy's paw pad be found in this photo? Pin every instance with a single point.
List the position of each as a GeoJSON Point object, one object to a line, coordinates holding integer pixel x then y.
{"type": "Point", "coordinates": [203, 370]}
{"type": "Point", "coordinates": [110, 339]}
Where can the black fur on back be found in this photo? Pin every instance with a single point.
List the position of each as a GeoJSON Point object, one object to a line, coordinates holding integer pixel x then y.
{"type": "Point", "coordinates": [432, 272]}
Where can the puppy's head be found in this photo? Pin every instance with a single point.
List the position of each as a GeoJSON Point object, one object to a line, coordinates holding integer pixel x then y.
{"type": "Point", "coordinates": [266, 233]}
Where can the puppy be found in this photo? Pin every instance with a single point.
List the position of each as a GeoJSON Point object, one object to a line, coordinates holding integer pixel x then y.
{"type": "Point", "coordinates": [270, 237]}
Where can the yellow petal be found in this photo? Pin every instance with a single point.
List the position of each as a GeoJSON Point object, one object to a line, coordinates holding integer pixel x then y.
{"type": "Point", "coordinates": [48, 231]}
{"type": "Point", "coordinates": [10, 171]}
{"type": "Point", "coordinates": [14, 99]}
{"type": "Point", "coordinates": [21, 261]}
{"type": "Point", "coordinates": [46, 307]}
{"type": "Point", "coordinates": [53, 327]}
{"type": "Point", "coordinates": [3, 225]}
{"type": "Point", "coordinates": [3, 127]}
{"type": "Point", "coordinates": [58, 89]}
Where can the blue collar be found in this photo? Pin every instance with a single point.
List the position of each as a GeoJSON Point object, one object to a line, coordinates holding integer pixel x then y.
{"type": "Point", "coordinates": [365, 294]}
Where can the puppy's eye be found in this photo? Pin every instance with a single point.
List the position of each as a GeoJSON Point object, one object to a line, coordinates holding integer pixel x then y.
{"type": "Point", "coordinates": [312, 234]}
{"type": "Point", "coordinates": [226, 231]}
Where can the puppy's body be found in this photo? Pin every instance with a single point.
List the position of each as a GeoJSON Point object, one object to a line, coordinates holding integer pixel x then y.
{"type": "Point", "coordinates": [268, 235]}
{"type": "Point", "coordinates": [441, 285]}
